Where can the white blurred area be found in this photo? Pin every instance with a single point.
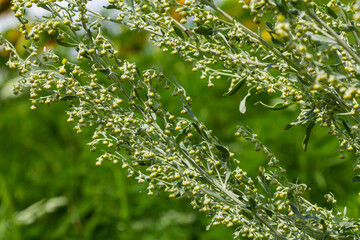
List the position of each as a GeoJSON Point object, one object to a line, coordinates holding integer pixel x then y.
{"type": "Point", "coordinates": [8, 21]}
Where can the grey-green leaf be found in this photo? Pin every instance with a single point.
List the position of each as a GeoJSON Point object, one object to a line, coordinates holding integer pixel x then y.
{"type": "Point", "coordinates": [242, 106]}
{"type": "Point", "coordinates": [179, 32]}
{"type": "Point", "coordinates": [235, 88]}
{"type": "Point", "coordinates": [320, 38]}
{"type": "Point", "coordinates": [277, 106]}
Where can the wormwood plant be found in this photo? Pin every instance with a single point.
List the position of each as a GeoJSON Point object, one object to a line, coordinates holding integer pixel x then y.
{"type": "Point", "coordinates": [312, 60]}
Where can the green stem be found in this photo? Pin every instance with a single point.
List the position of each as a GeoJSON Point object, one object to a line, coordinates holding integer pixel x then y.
{"type": "Point", "coordinates": [334, 35]}
{"type": "Point", "coordinates": [231, 195]}
{"type": "Point", "coordinates": [263, 42]}
{"type": "Point", "coordinates": [273, 230]}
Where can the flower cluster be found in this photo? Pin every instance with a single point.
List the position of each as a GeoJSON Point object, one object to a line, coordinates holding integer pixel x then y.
{"type": "Point", "coordinates": [311, 61]}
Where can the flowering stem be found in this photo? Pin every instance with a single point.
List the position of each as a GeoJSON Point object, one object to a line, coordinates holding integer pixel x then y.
{"type": "Point", "coordinates": [262, 41]}
{"type": "Point", "coordinates": [335, 35]}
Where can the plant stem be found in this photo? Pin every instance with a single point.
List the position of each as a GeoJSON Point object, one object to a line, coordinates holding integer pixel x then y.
{"type": "Point", "coordinates": [263, 42]}
{"type": "Point", "coordinates": [334, 35]}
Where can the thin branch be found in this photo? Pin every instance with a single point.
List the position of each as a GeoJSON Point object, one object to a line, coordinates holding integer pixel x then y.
{"type": "Point", "coordinates": [339, 40]}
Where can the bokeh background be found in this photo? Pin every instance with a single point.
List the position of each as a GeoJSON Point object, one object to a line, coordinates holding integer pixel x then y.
{"type": "Point", "coordinates": [50, 187]}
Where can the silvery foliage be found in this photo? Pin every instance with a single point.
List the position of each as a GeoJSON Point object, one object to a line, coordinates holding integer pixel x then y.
{"type": "Point", "coordinates": [312, 60]}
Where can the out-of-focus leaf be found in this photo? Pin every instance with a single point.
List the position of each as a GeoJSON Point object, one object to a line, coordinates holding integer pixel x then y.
{"type": "Point", "coordinates": [282, 7]}
{"type": "Point", "coordinates": [307, 135]}
{"type": "Point", "coordinates": [293, 203]}
{"type": "Point", "coordinates": [242, 106]}
{"type": "Point", "coordinates": [201, 132]}
{"type": "Point", "coordinates": [65, 44]}
{"type": "Point", "coordinates": [320, 38]}
{"type": "Point", "coordinates": [276, 41]}
{"type": "Point", "coordinates": [356, 178]}
{"type": "Point", "coordinates": [181, 135]}
{"type": "Point", "coordinates": [130, 3]}
{"type": "Point", "coordinates": [347, 128]}
{"type": "Point", "coordinates": [349, 28]}
{"type": "Point", "coordinates": [214, 194]}
{"type": "Point", "coordinates": [295, 12]}
{"type": "Point", "coordinates": [39, 209]}
{"type": "Point", "coordinates": [270, 25]}
{"type": "Point", "coordinates": [179, 32]}
{"type": "Point", "coordinates": [204, 31]}
{"type": "Point", "coordinates": [43, 6]}
{"type": "Point", "coordinates": [92, 89]}
{"type": "Point", "coordinates": [347, 225]}
{"type": "Point", "coordinates": [324, 227]}
{"type": "Point", "coordinates": [188, 110]}
{"type": "Point", "coordinates": [252, 203]}
{"type": "Point", "coordinates": [105, 71]}
{"type": "Point", "coordinates": [300, 5]}
{"type": "Point", "coordinates": [110, 7]}
{"type": "Point", "coordinates": [226, 158]}
{"type": "Point", "coordinates": [69, 98]}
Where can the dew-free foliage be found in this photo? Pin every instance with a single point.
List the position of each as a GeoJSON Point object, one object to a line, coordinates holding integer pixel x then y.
{"type": "Point", "coordinates": [311, 60]}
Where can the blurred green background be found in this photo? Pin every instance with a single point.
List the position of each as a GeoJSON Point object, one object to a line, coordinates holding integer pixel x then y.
{"type": "Point", "coordinates": [50, 187]}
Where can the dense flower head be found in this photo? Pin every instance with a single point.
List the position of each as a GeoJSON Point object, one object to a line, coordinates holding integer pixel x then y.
{"type": "Point", "coordinates": [312, 60]}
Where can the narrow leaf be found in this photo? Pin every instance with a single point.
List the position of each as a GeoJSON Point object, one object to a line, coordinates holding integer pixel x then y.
{"type": "Point", "coordinates": [69, 98]}
{"type": "Point", "coordinates": [65, 44]}
{"type": "Point", "coordinates": [105, 71]}
{"type": "Point", "coordinates": [269, 66]}
{"type": "Point", "coordinates": [331, 12]}
{"type": "Point", "coordinates": [204, 31]}
{"type": "Point", "coordinates": [307, 135]}
{"type": "Point", "coordinates": [324, 227]}
{"type": "Point", "coordinates": [277, 106]}
{"type": "Point", "coordinates": [288, 126]}
{"type": "Point", "coordinates": [302, 120]}
{"type": "Point", "coordinates": [92, 89]}
{"type": "Point", "coordinates": [179, 32]}
{"type": "Point", "coordinates": [214, 194]}
{"type": "Point", "coordinates": [201, 132]}
{"type": "Point", "coordinates": [262, 180]}
{"type": "Point", "coordinates": [348, 28]}
{"type": "Point", "coordinates": [181, 136]}
{"type": "Point", "coordinates": [242, 106]}
{"type": "Point", "coordinates": [295, 12]}
{"type": "Point", "coordinates": [226, 159]}
{"type": "Point", "coordinates": [131, 4]}
{"type": "Point", "coordinates": [275, 41]}
{"type": "Point", "coordinates": [282, 8]}
{"type": "Point", "coordinates": [347, 128]}
{"type": "Point", "coordinates": [270, 25]}
{"type": "Point", "coordinates": [252, 203]}
{"type": "Point", "coordinates": [43, 6]}
{"type": "Point", "coordinates": [188, 110]}
{"type": "Point", "coordinates": [110, 7]}
{"type": "Point", "coordinates": [236, 87]}
{"type": "Point", "coordinates": [320, 38]}
{"type": "Point", "coordinates": [293, 203]}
